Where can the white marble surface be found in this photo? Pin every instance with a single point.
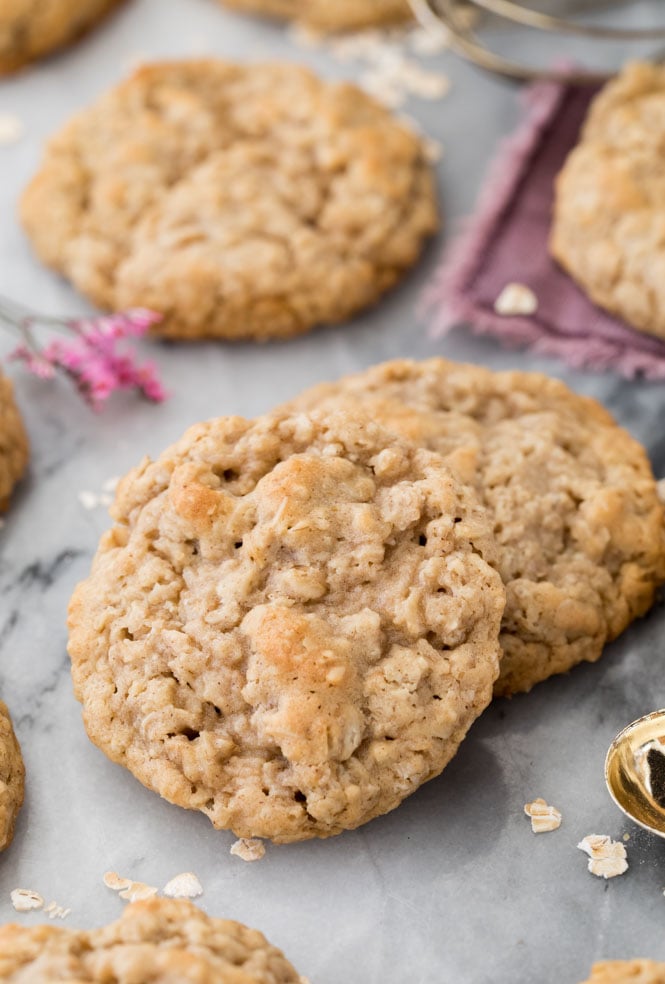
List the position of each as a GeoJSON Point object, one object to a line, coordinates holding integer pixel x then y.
{"type": "Point", "coordinates": [450, 887]}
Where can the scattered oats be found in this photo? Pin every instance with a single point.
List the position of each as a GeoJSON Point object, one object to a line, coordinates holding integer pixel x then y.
{"type": "Point", "coordinates": [516, 299]}
{"type": "Point", "coordinates": [184, 886]}
{"type": "Point", "coordinates": [11, 129]}
{"type": "Point", "coordinates": [304, 37]}
{"type": "Point", "coordinates": [543, 817]}
{"type": "Point", "coordinates": [249, 849]}
{"type": "Point", "coordinates": [376, 85]}
{"type": "Point", "coordinates": [133, 891]}
{"type": "Point", "coordinates": [607, 858]}
{"type": "Point", "coordinates": [111, 484]}
{"type": "Point", "coordinates": [428, 40]}
{"type": "Point", "coordinates": [56, 911]}
{"type": "Point", "coordinates": [24, 899]}
{"type": "Point", "coordinates": [89, 500]}
{"type": "Point", "coordinates": [420, 82]}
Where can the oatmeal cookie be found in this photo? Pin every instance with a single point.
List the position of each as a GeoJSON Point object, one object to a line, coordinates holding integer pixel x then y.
{"type": "Point", "coordinates": [13, 442]}
{"type": "Point", "coordinates": [12, 778]}
{"type": "Point", "coordinates": [239, 201]}
{"type": "Point", "coordinates": [574, 503]}
{"type": "Point", "coordinates": [32, 28]}
{"type": "Point", "coordinates": [160, 940]}
{"type": "Point", "coordinates": [292, 624]}
{"type": "Point", "coordinates": [627, 972]}
{"type": "Point", "coordinates": [609, 216]}
{"type": "Point", "coordinates": [329, 15]}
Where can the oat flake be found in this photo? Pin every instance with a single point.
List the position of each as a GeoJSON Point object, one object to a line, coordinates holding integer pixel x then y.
{"type": "Point", "coordinates": [25, 900]}
{"type": "Point", "coordinates": [516, 299]}
{"type": "Point", "coordinates": [249, 849]}
{"type": "Point", "coordinates": [607, 858]}
{"type": "Point", "coordinates": [11, 129]}
{"type": "Point", "coordinates": [184, 886]}
{"type": "Point", "coordinates": [543, 817]}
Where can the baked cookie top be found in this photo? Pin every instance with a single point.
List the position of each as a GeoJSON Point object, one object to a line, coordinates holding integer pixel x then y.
{"type": "Point", "coordinates": [31, 28]}
{"type": "Point", "coordinates": [324, 15]}
{"type": "Point", "coordinates": [291, 625]}
{"type": "Point", "coordinates": [12, 778]}
{"type": "Point", "coordinates": [609, 216]}
{"type": "Point", "coordinates": [627, 972]}
{"type": "Point", "coordinates": [239, 201]}
{"type": "Point", "coordinates": [13, 442]}
{"type": "Point", "coordinates": [575, 509]}
{"type": "Point", "coordinates": [157, 940]}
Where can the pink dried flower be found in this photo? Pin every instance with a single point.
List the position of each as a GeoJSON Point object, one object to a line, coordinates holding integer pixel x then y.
{"type": "Point", "coordinates": [89, 356]}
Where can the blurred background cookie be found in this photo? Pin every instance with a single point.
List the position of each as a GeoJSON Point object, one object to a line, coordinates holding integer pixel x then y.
{"type": "Point", "coordinates": [30, 29]}
{"type": "Point", "coordinates": [292, 624]}
{"type": "Point", "coordinates": [627, 972]}
{"type": "Point", "coordinates": [12, 778]}
{"type": "Point", "coordinates": [155, 940]}
{"type": "Point", "coordinates": [329, 15]}
{"type": "Point", "coordinates": [609, 214]}
{"type": "Point", "coordinates": [238, 201]}
{"type": "Point", "coordinates": [14, 447]}
{"type": "Point", "coordinates": [574, 503]}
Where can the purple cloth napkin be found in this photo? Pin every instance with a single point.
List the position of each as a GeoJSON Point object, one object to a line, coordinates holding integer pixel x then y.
{"type": "Point", "coordinates": [506, 242]}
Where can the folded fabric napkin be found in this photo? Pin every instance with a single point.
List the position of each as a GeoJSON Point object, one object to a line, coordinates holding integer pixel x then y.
{"type": "Point", "coordinates": [505, 242]}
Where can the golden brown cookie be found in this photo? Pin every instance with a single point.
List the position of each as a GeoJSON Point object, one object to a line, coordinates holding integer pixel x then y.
{"type": "Point", "coordinates": [14, 448]}
{"type": "Point", "coordinates": [329, 15]}
{"type": "Point", "coordinates": [12, 778]}
{"type": "Point", "coordinates": [32, 28]}
{"type": "Point", "coordinates": [160, 940]}
{"type": "Point", "coordinates": [239, 201]}
{"type": "Point", "coordinates": [609, 216]}
{"type": "Point", "coordinates": [574, 503]}
{"type": "Point", "coordinates": [291, 626]}
{"type": "Point", "coordinates": [627, 972]}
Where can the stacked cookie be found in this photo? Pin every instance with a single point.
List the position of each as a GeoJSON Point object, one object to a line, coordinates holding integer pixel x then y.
{"type": "Point", "coordinates": [295, 620]}
{"type": "Point", "coordinates": [13, 442]}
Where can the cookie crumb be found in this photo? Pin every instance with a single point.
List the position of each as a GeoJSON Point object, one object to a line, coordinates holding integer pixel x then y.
{"type": "Point", "coordinates": [249, 849]}
{"type": "Point", "coordinates": [543, 817]}
{"type": "Point", "coordinates": [516, 299]}
{"type": "Point", "coordinates": [133, 891]}
{"type": "Point", "coordinates": [183, 886]}
{"type": "Point", "coordinates": [11, 129]}
{"type": "Point", "coordinates": [626, 837]}
{"type": "Point", "coordinates": [607, 858]}
{"type": "Point", "coordinates": [25, 900]}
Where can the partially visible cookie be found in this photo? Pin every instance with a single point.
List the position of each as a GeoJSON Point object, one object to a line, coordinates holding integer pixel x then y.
{"type": "Point", "coordinates": [250, 201]}
{"type": "Point", "coordinates": [12, 778]}
{"type": "Point", "coordinates": [329, 15]}
{"type": "Point", "coordinates": [574, 503]}
{"type": "Point", "coordinates": [609, 216]}
{"type": "Point", "coordinates": [160, 940]}
{"type": "Point", "coordinates": [627, 972]}
{"type": "Point", "coordinates": [291, 626]}
{"type": "Point", "coordinates": [13, 442]}
{"type": "Point", "coordinates": [32, 28]}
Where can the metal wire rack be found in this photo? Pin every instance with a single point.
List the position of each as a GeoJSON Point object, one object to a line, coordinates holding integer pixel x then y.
{"type": "Point", "coordinates": [466, 41]}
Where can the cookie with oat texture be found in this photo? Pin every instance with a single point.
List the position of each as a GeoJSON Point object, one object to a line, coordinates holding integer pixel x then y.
{"type": "Point", "coordinates": [238, 201]}
{"type": "Point", "coordinates": [627, 972]}
{"type": "Point", "coordinates": [608, 229]}
{"type": "Point", "coordinates": [292, 624]}
{"type": "Point", "coordinates": [329, 15]}
{"type": "Point", "coordinates": [572, 498]}
{"type": "Point", "coordinates": [12, 778]}
{"type": "Point", "coordinates": [30, 29]}
{"type": "Point", "coordinates": [14, 448]}
{"type": "Point", "coordinates": [159, 940]}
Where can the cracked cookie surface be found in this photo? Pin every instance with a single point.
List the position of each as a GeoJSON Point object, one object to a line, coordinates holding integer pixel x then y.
{"type": "Point", "coordinates": [291, 626]}
{"type": "Point", "coordinates": [12, 778]}
{"type": "Point", "coordinates": [574, 503]}
{"type": "Point", "coordinates": [160, 940]}
{"type": "Point", "coordinates": [324, 15]}
{"type": "Point", "coordinates": [238, 201]}
{"type": "Point", "coordinates": [32, 28]}
{"type": "Point", "coordinates": [14, 447]}
{"type": "Point", "coordinates": [627, 972]}
{"type": "Point", "coordinates": [609, 214]}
